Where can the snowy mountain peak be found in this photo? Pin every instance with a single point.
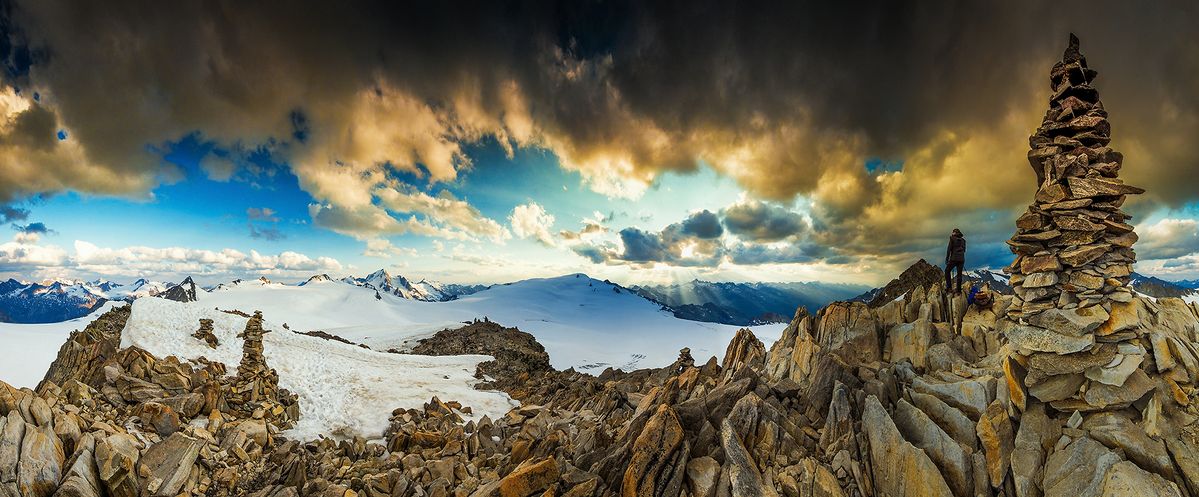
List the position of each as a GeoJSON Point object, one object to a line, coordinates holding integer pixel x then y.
{"type": "Point", "coordinates": [316, 278]}
{"type": "Point", "coordinates": [185, 291]}
{"type": "Point", "coordinates": [400, 286]}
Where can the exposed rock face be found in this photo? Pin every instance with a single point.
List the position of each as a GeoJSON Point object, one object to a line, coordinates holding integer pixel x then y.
{"type": "Point", "coordinates": [517, 354]}
{"type": "Point", "coordinates": [920, 274]}
{"type": "Point", "coordinates": [185, 291]}
{"type": "Point", "coordinates": [82, 356]}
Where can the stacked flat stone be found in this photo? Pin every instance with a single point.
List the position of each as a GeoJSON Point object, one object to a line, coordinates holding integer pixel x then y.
{"type": "Point", "coordinates": [255, 389]}
{"type": "Point", "coordinates": [1074, 256]}
{"type": "Point", "coordinates": [1073, 245]}
{"type": "Point", "coordinates": [205, 333]}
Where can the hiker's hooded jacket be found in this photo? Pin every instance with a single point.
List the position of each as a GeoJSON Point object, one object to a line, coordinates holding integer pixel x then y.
{"type": "Point", "coordinates": [956, 252]}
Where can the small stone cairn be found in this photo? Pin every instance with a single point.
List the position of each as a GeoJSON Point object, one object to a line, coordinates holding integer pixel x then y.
{"type": "Point", "coordinates": [205, 334]}
{"type": "Point", "coordinates": [1074, 257]}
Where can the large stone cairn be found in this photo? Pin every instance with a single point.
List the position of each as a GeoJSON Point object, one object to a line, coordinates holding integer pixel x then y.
{"type": "Point", "coordinates": [1074, 256]}
{"type": "Point", "coordinates": [255, 389]}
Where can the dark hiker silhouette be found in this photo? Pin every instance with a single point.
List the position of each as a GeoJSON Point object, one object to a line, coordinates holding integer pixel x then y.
{"type": "Point", "coordinates": [955, 257]}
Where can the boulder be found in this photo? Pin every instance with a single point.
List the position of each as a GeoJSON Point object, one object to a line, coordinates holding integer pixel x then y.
{"type": "Point", "coordinates": [166, 465]}
{"type": "Point", "coordinates": [1074, 322]}
{"type": "Point", "coordinates": [948, 418]}
{"type": "Point", "coordinates": [1123, 316]}
{"type": "Point", "coordinates": [41, 464]}
{"type": "Point", "coordinates": [744, 478]}
{"type": "Point", "coordinates": [12, 431]}
{"type": "Point", "coordinates": [659, 457]}
{"type": "Point", "coordinates": [702, 475]}
{"type": "Point", "coordinates": [1125, 479]}
{"type": "Point", "coordinates": [1186, 455]}
{"type": "Point", "coordinates": [1048, 364]}
{"type": "Point", "coordinates": [910, 341]}
{"type": "Point", "coordinates": [848, 330]}
{"type": "Point", "coordinates": [1057, 387]}
{"type": "Point", "coordinates": [1037, 339]}
{"type": "Point", "coordinates": [900, 469]}
{"type": "Point", "coordinates": [998, 440]}
{"type": "Point", "coordinates": [116, 463]}
{"type": "Point", "coordinates": [921, 431]}
{"type": "Point", "coordinates": [1028, 450]}
{"type": "Point", "coordinates": [1078, 469]}
{"type": "Point", "coordinates": [533, 477]}
{"type": "Point", "coordinates": [1117, 371]}
{"type": "Point", "coordinates": [1103, 396]}
{"type": "Point", "coordinates": [969, 396]}
{"type": "Point", "coordinates": [1040, 264]}
{"type": "Point", "coordinates": [81, 478]}
{"type": "Point", "coordinates": [1118, 432]}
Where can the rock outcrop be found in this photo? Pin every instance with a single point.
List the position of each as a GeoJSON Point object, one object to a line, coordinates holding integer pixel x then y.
{"type": "Point", "coordinates": [517, 355]}
{"type": "Point", "coordinates": [185, 291]}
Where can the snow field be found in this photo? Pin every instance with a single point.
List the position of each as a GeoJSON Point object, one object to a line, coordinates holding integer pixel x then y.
{"type": "Point", "coordinates": [344, 390]}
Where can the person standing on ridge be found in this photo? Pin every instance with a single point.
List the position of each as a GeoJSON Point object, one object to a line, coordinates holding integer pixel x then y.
{"type": "Point", "coordinates": [955, 257]}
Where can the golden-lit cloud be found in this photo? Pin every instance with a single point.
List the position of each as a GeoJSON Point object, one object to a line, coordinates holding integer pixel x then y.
{"type": "Point", "coordinates": [785, 101]}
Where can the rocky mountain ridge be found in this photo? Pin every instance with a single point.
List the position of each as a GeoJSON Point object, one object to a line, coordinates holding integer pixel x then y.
{"type": "Point", "coordinates": [1157, 287]}
{"type": "Point", "coordinates": [398, 285]}
{"type": "Point", "coordinates": [743, 304]}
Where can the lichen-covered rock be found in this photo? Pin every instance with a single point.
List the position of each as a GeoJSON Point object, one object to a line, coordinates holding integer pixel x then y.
{"type": "Point", "coordinates": [530, 478]}
{"type": "Point", "coordinates": [41, 464]}
{"type": "Point", "coordinates": [659, 457]}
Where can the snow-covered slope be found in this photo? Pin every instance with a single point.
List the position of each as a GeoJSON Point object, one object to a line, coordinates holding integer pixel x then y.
{"type": "Point", "coordinates": [583, 323]}
{"type": "Point", "coordinates": [344, 390]}
{"type": "Point", "coordinates": [30, 348]}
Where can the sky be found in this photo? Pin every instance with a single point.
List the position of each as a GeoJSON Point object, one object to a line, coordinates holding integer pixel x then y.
{"type": "Point", "coordinates": [643, 142]}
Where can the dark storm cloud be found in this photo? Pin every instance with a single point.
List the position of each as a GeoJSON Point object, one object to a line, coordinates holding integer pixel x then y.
{"type": "Point", "coordinates": [642, 246]}
{"type": "Point", "coordinates": [702, 224]}
{"type": "Point", "coordinates": [591, 252]}
{"type": "Point", "coordinates": [762, 221]}
{"type": "Point", "coordinates": [753, 254]}
{"type": "Point", "coordinates": [786, 99]}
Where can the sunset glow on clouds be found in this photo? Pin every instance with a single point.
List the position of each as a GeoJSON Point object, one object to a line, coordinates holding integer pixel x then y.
{"type": "Point", "coordinates": [491, 143]}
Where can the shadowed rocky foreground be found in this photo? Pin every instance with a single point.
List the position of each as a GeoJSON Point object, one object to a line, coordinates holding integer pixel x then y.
{"type": "Point", "coordinates": [1074, 386]}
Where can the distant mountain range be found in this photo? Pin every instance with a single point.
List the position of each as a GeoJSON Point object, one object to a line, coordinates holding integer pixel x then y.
{"type": "Point", "coordinates": [744, 304]}
{"type": "Point", "coordinates": [923, 274]}
{"type": "Point", "coordinates": [1157, 287]}
{"type": "Point", "coordinates": [428, 291]}
{"type": "Point", "coordinates": [741, 304]}
{"type": "Point", "coordinates": [61, 300]}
